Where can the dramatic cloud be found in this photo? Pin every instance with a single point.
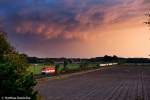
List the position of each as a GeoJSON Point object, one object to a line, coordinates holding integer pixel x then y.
{"type": "Point", "coordinates": [67, 19]}
{"type": "Point", "coordinates": [76, 28]}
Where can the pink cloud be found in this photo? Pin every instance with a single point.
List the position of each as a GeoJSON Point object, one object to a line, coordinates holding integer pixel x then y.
{"type": "Point", "coordinates": [75, 22]}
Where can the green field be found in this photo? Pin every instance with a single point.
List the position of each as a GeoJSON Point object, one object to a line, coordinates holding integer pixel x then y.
{"type": "Point", "coordinates": [73, 66]}
{"type": "Point", "coordinates": [36, 68]}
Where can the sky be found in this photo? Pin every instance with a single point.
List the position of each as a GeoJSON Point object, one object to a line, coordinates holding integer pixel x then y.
{"type": "Point", "coordinates": [77, 28]}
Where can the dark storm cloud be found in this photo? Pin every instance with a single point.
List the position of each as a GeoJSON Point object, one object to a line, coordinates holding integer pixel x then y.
{"type": "Point", "coordinates": [68, 19]}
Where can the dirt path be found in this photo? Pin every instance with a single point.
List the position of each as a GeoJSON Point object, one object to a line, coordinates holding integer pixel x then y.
{"type": "Point", "coordinates": [117, 83]}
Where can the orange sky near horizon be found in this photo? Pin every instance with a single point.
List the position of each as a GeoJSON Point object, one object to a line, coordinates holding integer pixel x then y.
{"type": "Point", "coordinates": [126, 39]}
{"type": "Point", "coordinates": [77, 28]}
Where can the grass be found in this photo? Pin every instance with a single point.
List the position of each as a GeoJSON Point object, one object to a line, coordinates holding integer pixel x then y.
{"type": "Point", "coordinates": [93, 65]}
{"type": "Point", "coordinates": [73, 66]}
{"type": "Point", "coordinates": [36, 68]}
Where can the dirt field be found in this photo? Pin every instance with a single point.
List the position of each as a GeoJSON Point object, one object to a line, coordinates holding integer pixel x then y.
{"type": "Point", "coordinates": [117, 83]}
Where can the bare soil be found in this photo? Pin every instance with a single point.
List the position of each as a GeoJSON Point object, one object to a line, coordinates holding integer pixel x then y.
{"type": "Point", "coordinates": [116, 83]}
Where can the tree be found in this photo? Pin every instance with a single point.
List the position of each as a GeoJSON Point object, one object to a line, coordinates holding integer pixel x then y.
{"type": "Point", "coordinates": [65, 64]}
{"type": "Point", "coordinates": [49, 62]}
{"type": "Point", "coordinates": [57, 69]}
{"type": "Point", "coordinates": [15, 79]}
{"type": "Point", "coordinates": [4, 46]}
{"type": "Point", "coordinates": [107, 58]}
{"type": "Point", "coordinates": [84, 65]}
{"type": "Point", "coordinates": [115, 58]}
{"type": "Point", "coordinates": [148, 21]}
{"type": "Point", "coordinates": [70, 61]}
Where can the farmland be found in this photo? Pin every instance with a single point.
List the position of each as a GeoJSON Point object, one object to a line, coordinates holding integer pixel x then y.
{"type": "Point", "coordinates": [117, 83]}
{"type": "Point", "coordinates": [36, 68]}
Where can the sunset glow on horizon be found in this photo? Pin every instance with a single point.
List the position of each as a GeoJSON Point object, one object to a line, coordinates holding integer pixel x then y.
{"type": "Point", "coordinates": [77, 28]}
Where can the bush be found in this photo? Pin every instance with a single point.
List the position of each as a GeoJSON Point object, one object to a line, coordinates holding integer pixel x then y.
{"type": "Point", "coordinates": [15, 80]}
